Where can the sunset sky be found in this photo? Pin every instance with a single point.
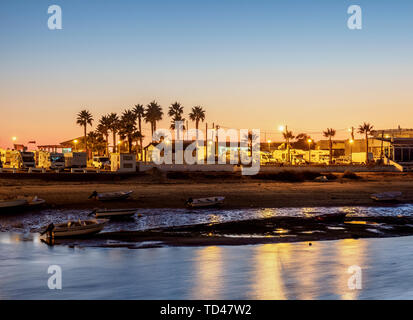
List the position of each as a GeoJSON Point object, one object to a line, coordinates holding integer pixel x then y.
{"type": "Point", "coordinates": [250, 64]}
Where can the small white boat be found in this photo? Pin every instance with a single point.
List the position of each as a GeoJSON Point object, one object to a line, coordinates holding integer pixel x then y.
{"type": "Point", "coordinates": [9, 204]}
{"type": "Point", "coordinates": [75, 228]}
{"type": "Point", "coordinates": [110, 196]}
{"type": "Point", "coordinates": [387, 196]}
{"type": "Point", "coordinates": [114, 213]}
{"type": "Point", "coordinates": [205, 202]}
{"type": "Point", "coordinates": [35, 202]}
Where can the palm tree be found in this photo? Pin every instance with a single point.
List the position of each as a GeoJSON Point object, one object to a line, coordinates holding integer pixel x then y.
{"type": "Point", "coordinates": [139, 110]}
{"type": "Point", "coordinates": [127, 127]}
{"type": "Point", "coordinates": [288, 135]}
{"type": "Point", "coordinates": [113, 125]}
{"type": "Point", "coordinates": [104, 128]}
{"type": "Point", "coordinates": [366, 129]}
{"type": "Point", "coordinates": [93, 138]}
{"type": "Point", "coordinates": [175, 111]}
{"type": "Point", "coordinates": [197, 114]}
{"type": "Point", "coordinates": [330, 133]}
{"type": "Point", "coordinates": [153, 113]}
{"type": "Point", "coordinates": [251, 139]}
{"type": "Point", "coordinates": [84, 118]}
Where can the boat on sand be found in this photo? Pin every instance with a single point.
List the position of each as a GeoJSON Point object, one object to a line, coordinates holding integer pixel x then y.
{"type": "Point", "coordinates": [74, 228]}
{"type": "Point", "coordinates": [113, 213]}
{"type": "Point", "coordinates": [393, 196]}
{"type": "Point", "coordinates": [205, 202]}
{"type": "Point", "coordinates": [12, 204]}
{"type": "Point", "coordinates": [110, 196]}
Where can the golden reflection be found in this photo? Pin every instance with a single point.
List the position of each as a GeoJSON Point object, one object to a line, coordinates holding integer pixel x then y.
{"type": "Point", "coordinates": [268, 213]}
{"type": "Point", "coordinates": [308, 273]}
{"type": "Point", "coordinates": [308, 212]}
{"type": "Point", "coordinates": [208, 273]}
{"type": "Point", "coordinates": [349, 252]}
{"type": "Point", "coordinates": [214, 218]}
{"type": "Point", "coordinates": [268, 282]}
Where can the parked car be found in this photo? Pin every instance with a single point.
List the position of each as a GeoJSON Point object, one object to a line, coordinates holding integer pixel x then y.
{"type": "Point", "coordinates": [101, 162]}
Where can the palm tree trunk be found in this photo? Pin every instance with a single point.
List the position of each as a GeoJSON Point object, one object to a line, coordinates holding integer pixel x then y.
{"type": "Point", "coordinates": [331, 151]}
{"type": "Point", "coordinates": [114, 141]}
{"type": "Point", "coordinates": [140, 139]}
{"type": "Point", "coordinates": [85, 141]}
{"type": "Point", "coordinates": [107, 145]}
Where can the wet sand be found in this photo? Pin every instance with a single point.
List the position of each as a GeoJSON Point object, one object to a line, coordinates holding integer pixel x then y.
{"type": "Point", "coordinates": [240, 192]}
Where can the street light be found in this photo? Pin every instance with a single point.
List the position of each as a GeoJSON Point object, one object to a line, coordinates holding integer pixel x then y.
{"type": "Point", "coordinates": [309, 150]}
{"type": "Point", "coordinates": [14, 138]}
{"type": "Point", "coordinates": [75, 142]}
{"type": "Point", "coordinates": [269, 145]}
{"type": "Point", "coordinates": [351, 150]}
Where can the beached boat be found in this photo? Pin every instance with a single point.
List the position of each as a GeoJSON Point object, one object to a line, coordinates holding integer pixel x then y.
{"type": "Point", "coordinates": [110, 196]}
{"type": "Point", "coordinates": [35, 202]}
{"type": "Point", "coordinates": [114, 213]}
{"type": "Point", "coordinates": [332, 217]}
{"type": "Point", "coordinates": [205, 202]}
{"type": "Point", "coordinates": [75, 228]}
{"type": "Point", "coordinates": [387, 196]}
{"type": "Point", "coordinates": [12, 204]}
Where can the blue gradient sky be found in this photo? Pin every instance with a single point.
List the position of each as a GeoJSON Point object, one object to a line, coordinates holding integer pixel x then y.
{"type": "Point", "coordinates": [251, 64]}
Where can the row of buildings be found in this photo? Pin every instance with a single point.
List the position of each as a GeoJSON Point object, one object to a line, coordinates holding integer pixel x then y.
{"type": "Point", "coordinates": [393, 145]}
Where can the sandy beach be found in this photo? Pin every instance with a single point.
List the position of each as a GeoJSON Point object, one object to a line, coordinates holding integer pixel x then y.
{"type": "Point", "coordinates": [240, 192]}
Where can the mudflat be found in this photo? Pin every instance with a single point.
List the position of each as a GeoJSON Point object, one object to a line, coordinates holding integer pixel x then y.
{"type": "Point", "coordinates": [241, 192]}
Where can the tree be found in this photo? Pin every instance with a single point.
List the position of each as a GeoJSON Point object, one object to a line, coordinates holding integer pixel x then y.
{"type": "Point", "coordinates": [176, 111]}
{"type": "Point", "coordinates": [251, 139]}
{"type": "Point", "coordinates": [93, 139]}
{"type": "Point", "coordinates": [288, 135]}
{"type": "Point", "coordinates": [153, 113]}
{"type": "Point", "coordinates": [127, 127]}
{"type": "Point", "coordinates": [113, 124]}
{"type": "Point", "coordinates": [366, 129]}
{"type": "Point", "coordinates": [197, 114]}
{"type": "Point", "coordinates": [302, 141]}
{"type": "Point", "coordinates": [330, 133]}
{"type": "Point", "coordinates": [104, 128]}
{"type": "Point", "coordinates": [84, 118]}
{"type": "Point", "coordinates": [139, 111]}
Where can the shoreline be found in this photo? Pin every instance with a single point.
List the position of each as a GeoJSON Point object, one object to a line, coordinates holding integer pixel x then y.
{"type": "Point", "coordinates": [152, 192]}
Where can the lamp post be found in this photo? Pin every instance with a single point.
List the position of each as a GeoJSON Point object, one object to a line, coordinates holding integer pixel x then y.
{"type": "Point", "coordinates": [269, 145]}
{"type": "Point", "coordinates": [281, 129]}
{"type": "Point", "coordinates": [75, 142]}
{"type": "Point", "coordinates": [309, 150]}
{"type": "Point", "coordinates": [351, 141]}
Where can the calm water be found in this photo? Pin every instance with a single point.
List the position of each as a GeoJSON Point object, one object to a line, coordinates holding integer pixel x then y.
{"type": "Point", "coordinates": [153, 218]}
{"type": "Point", "coordinates": [272, 271]}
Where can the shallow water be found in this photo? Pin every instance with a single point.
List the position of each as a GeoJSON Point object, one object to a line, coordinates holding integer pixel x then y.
{"type": "Point", "coordinates": [271, 271]}
{"type": "Point", "coordinates": [154, 218]}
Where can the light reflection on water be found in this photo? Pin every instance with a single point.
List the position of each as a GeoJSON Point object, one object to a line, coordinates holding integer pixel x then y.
{"type": "Point", "coordinates": [270, 271]}
{"type": "Point", "coordinates": [154, 218]}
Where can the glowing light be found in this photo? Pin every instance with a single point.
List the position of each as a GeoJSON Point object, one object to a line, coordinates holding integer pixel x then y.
{"type": "Point", "coordinates": [309, 140]}
{"type": "Point", "coordinates": [14, 138]}
{"type": "Point", "coordinates": [351, 141]}
{"type": "Point", "coordinates": [75, 141]}
{"type": "Point", "coordinates": [281, 128]}
{"type": "Point", "coordinates": [269, 141]}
